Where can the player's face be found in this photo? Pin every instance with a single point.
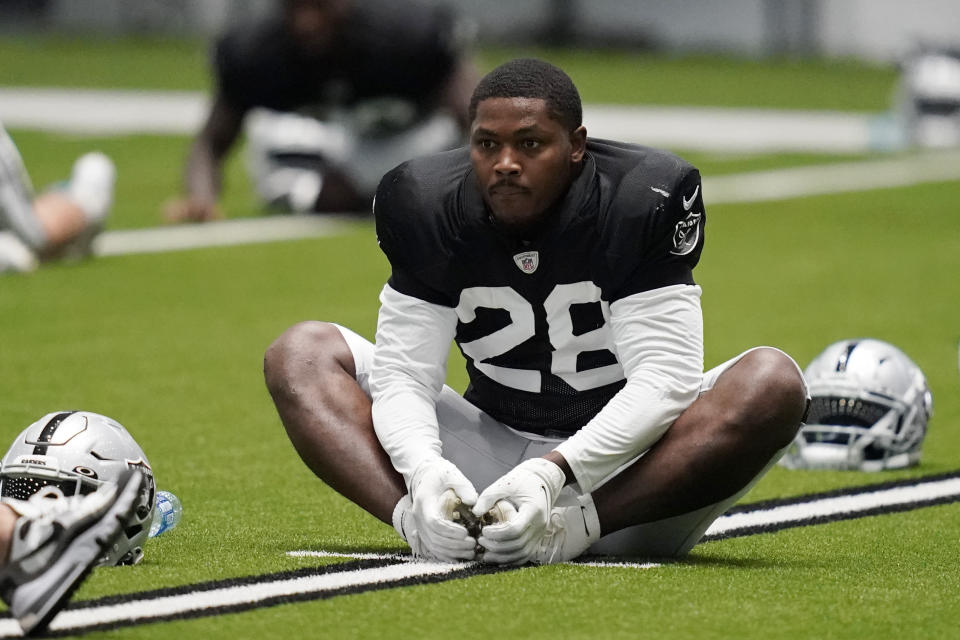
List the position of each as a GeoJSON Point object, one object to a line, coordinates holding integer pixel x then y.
{"type": "Point", "coordinates": [524, 159]}
{"type": "Point", "coordinates": [314, 23]}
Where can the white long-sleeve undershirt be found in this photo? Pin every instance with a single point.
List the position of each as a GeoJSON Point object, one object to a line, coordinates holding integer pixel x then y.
{"type": "Point", "coordinates": [409, 369]}
{"type": "Point", "coordinates": [658, 337]}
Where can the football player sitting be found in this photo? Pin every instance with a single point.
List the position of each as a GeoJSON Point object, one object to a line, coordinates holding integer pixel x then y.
{"type": "Point", "coordinates": [562, 267]}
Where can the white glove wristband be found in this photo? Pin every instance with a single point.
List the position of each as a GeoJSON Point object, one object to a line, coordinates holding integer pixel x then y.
{"type": "Point", "coordinates": [403, 506]}
{"type": "Point", "coordinates": [551, 474]}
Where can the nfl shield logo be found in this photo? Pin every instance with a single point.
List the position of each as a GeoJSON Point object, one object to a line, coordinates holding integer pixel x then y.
{"type": "Point", "coordinates": [527, 261]}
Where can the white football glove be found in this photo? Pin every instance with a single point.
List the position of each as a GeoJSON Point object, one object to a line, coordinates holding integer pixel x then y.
{"type": "Point", "coordinates": [532, 488]}
{"type": "Point", "coordinates": [437, 489]}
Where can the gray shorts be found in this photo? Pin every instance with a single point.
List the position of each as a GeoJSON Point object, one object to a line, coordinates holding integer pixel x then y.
{"type": "Point", "coordinates": [485, 449]}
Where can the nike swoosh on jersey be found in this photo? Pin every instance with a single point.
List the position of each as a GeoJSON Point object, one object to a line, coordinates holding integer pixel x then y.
{"type": "Point", "coordinates": [689, 203]}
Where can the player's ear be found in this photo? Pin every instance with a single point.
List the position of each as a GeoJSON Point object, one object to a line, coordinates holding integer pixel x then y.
{"type": "Point", "coordinates": [578, 143]}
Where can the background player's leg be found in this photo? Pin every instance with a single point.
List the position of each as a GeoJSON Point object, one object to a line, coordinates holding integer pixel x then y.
{"type": "Point", "coordinates": [61, 218]}
{"type": "Point", "coordinates": [311, 376]}
{"type": "Point", "coordinates": [50, 221]}
{"type": "Point", "coordinates": [721, 443]}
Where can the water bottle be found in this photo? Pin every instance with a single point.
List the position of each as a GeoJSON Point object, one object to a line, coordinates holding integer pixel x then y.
{"type": "Point", "coordinates": [166, 513]}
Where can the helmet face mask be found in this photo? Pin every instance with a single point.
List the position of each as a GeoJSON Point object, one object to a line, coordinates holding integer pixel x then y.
{"type": "Point", "coordinates": [76, 452]}
{"type": "Point", "coordinates": [869, 409]}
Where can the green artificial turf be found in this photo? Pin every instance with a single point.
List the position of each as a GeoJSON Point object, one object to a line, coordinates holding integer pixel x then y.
{"type": "Point", "coordinates": [171, 345]}
{"type": "Point", "coordinates": [623, 77]}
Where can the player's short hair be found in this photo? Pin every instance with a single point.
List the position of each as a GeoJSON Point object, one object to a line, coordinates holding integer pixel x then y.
{"type": "Point", "coordinates": [532, 78]}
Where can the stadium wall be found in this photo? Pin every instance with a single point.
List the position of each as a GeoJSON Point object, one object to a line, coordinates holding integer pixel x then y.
{"type": "Point", "coordinates": [876, 30]}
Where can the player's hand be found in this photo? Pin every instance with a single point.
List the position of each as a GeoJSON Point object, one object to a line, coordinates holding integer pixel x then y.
{"type": "Point", "coordinates": [191, 210]}
{"type": "Point", "coordinates": [532, 487]}
{"type": "Point", "coordinates": [437, 489]}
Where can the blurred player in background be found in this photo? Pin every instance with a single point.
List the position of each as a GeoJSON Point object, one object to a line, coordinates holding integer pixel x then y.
{"type": "Point", "coordinates": [334, 93]}
{"type": "Point", "coordinates": [563, 269]}
{"type": "Point", "coordinates": [55, 224]}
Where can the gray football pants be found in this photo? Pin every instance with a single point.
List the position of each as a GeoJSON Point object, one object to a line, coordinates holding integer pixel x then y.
{"type": "Point", "coordinates": [485, 449]}
{"type": "Point", "coordinates": [16, 197]}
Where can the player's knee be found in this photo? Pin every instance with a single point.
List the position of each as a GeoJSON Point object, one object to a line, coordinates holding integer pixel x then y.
{"type": "Point", "coordinates": [779, 394]}
{"type": "Point", "coordinates": [296, 352]}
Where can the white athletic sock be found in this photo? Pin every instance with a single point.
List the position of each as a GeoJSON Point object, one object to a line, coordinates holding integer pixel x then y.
{"type": "Point", "coordinates": [397, 519]}
{"type": "Point", "coordinates": [15, 256]}
{"type": "Point", "coordinates": [91, 185]}
{"type": "Point", "coordinates": [570, 532]}
{"type": "Point", "coordinates": [406, 525]}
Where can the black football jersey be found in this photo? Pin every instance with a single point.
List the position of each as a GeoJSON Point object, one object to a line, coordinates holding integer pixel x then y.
{"type": "Point", "coordinates": [386, 48]}
{"type": "Point", "coordinates": [534, 314]}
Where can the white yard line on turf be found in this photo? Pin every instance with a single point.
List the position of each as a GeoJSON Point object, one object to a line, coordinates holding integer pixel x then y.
{"type": "Point", "coordinates": [306, 553]}
{"type": "Point", "coordinates": [393, 556]}
{"type": "Point", "coordinates": [759, 186]}
{"type": "Point", "coordinates": [618, 565]}
{"type": "Point", "coordinates": [251, 595]}
{"type": "Point", "coordinates": [102, 111]}
{"type": "Point", "coordinates": [216, 234]}
{"type": "Point", "coordinates": [744, 130]}
{"type": "Point", "coordinates": [118, 112]}
{"type": "Point", "coordinates": [781, 184]}
{"type": "Point", "coordinates": [232, 596]}
{"type": "Point", "coordinates": [923, 492]}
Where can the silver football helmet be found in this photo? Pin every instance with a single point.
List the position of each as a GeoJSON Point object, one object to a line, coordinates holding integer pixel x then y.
{"type": "Point", "coordinates": [929, 97]}
{"type": "Point", "coordinates": [869, 407]}
{"type": "Point", "coordinates": [75, 452]}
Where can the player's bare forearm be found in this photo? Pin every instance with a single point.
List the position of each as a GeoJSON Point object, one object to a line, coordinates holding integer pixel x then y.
{"type": "Point", "coordinates": [202, 174]}
{"type": "Point", "coordinates": [557, 458]}
{"type": "Point", "coordinates": [202, 177]}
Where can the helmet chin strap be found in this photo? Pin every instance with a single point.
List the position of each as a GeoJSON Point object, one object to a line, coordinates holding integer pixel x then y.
{"type": "Point", "coordinates": [830, 456]}
{"type": "Point", "coordinates": [826, 456]}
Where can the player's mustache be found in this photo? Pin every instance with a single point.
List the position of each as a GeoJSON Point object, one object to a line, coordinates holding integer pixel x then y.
{"type": "Point", "coordinates": [505, 183]}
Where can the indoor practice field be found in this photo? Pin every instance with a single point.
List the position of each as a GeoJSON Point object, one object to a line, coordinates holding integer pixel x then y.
{"type": "Point", "coordinates": [170, 343]}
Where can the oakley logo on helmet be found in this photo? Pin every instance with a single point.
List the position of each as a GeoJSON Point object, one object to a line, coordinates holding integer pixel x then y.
{"type": "Point", "coordinates": [77, 451]}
